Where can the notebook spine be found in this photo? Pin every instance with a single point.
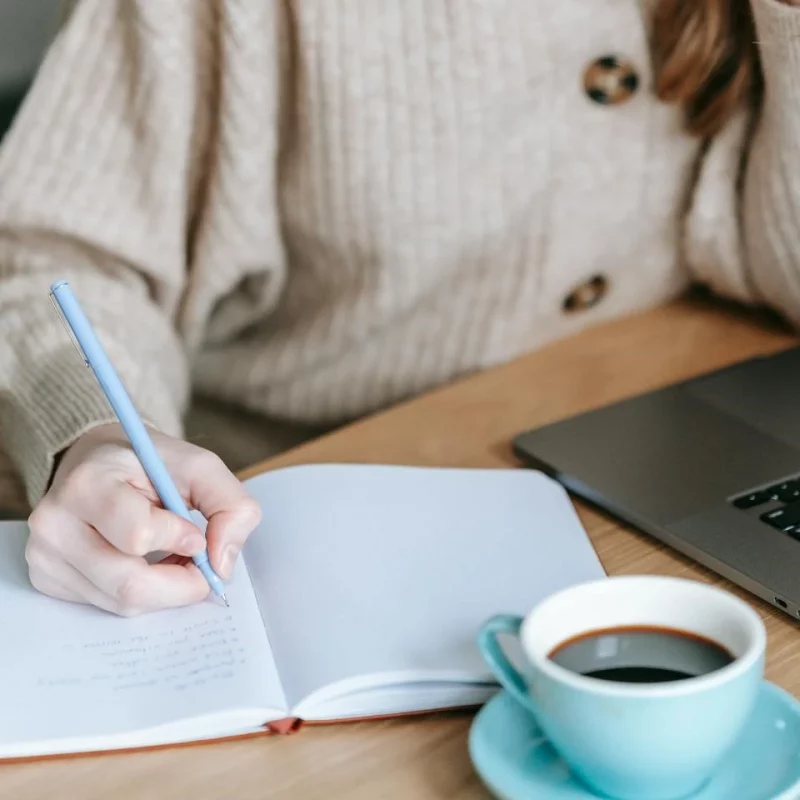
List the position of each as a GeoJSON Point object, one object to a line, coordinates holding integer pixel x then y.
{"type": "Point", "coordinates": [285, 727]}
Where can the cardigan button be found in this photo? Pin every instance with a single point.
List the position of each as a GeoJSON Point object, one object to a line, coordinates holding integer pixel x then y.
{"type": "Point", "coordinates": [586, 295]}
{"type": "Point", "coordinates": [610, 80]}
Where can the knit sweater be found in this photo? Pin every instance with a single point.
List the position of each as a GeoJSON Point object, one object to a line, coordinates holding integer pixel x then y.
{"type": "Point", "coordinates": [316, 208]}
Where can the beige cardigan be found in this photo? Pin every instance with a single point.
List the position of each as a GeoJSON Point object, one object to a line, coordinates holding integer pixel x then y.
{"type": "Point", "coordinates": [315, 208]}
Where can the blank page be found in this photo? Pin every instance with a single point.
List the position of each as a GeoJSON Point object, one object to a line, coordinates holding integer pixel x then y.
{"type": "Point", "coordinates": [386, 573]}
{"type": "Point", "coordinates": [74, 674]}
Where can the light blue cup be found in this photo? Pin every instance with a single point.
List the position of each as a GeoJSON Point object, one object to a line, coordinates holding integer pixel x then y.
{"type": "Point", "coordinates": [658, 741]}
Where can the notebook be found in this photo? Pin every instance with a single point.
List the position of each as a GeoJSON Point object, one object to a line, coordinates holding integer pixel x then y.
{"type": "Point", "coordinates": [359, 595]}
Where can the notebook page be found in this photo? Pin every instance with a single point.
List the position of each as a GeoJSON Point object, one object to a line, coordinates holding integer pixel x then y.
{"type": "Point", "coordinates": [74, 672]}
{"type": "Point", "coordinates": [389, 571]}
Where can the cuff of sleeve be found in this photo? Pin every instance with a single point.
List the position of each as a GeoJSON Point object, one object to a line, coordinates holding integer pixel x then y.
{"type": "Point", "coordinates": [53, 398]}
{"type": "Point", "coordinates": [54, 404]}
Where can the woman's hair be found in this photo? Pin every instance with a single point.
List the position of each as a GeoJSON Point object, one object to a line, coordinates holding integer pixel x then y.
{"type": "Point", "coordinates": [706, 60]}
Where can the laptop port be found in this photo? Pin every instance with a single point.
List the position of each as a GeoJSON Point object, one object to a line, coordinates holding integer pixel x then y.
{"type": "Point", "coordinates": [781, 603]}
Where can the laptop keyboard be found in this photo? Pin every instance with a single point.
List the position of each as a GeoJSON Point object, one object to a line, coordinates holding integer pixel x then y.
{"type": "Point", "coordinates": [784, 505]}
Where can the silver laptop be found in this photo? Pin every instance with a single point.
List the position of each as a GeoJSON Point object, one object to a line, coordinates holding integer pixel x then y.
{"type": "Point", "coordinates": [711, 467]}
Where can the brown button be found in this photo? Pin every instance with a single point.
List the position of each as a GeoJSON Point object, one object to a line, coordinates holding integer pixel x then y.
{"type": "Point", "coordinates": [587, 294]}
{"type": "Point", "coordinates": [610, 80]}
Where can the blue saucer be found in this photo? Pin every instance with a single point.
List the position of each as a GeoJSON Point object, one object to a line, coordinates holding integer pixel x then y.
{"type": "Point", "coordinates": [516, 762]}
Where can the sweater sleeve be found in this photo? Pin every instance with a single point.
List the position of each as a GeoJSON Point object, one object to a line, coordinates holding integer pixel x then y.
{"type": "Point", "coordinates": [742, 226]}
{"type": "Point", "coordinates": [771, 191]}
{"type": "Point", "coordinates": [104, 182]}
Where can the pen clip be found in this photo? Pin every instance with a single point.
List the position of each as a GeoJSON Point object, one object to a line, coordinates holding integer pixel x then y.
{"type": "Point", "coordinates": [67, 328]}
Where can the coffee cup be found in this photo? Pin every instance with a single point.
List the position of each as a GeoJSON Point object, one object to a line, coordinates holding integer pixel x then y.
{"type": "Point", "coordinates": [641, 683]}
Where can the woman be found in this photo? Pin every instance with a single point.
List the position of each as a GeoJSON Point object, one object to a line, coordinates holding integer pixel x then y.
{"type": "Point", "coordinates": [313, 209]}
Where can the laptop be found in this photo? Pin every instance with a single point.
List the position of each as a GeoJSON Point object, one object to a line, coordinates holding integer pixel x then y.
{"type": "Point", "coordinates": [710, 466]}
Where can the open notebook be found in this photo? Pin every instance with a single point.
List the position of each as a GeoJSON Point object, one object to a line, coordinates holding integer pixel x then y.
{"type": "Point", "coordinates": [359, 595]}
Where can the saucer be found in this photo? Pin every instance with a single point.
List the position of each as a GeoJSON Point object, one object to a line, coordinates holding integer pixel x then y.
{"type": "Point", "coordinates": [516, 762]}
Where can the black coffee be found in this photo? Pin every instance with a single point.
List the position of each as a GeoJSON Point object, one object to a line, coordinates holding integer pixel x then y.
{"type": "Point", "coordinates": [641, 655]}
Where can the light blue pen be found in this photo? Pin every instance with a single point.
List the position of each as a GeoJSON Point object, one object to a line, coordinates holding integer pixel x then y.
{"type": "Point", "coordinates": [95, 357]}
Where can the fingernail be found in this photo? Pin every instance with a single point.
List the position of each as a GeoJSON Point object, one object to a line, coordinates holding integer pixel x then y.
{"type": "Point", "coordinates": [229, 556]}
{"type": "Point", "coordinates": [192, 544]}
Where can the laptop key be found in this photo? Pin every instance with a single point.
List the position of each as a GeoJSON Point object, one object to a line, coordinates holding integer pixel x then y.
{"type": "Point", "coordinates": [783, 518]}
{"type": "Point", "coordinates": [754, 499]}
{"type": "Point", "coordinates": [787, 492]}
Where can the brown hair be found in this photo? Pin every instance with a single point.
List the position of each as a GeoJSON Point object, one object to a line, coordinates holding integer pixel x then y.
{"type": "Point", "coordinates": [706, 60]}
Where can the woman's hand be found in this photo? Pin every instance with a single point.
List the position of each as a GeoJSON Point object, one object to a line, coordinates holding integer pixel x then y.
{"type": "Point", "coordinates": [101, 516]}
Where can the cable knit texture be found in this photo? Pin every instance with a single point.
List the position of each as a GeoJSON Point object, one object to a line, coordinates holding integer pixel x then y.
{"type": "Point", "coordinates": [316, 208]}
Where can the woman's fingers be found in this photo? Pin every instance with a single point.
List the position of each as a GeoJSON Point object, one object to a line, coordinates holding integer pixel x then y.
{"type": "Point", "coordinates": [132, 585]}
{"type": "Point", "coordinates": [69, 556]}
{"type": "Point", "coordinates": [73, 588]}
{"type": "Point", "coordinates": [231, 512]}
{"type": "Point", "coordinates": [126, 518]}
{"type": "Point", "coordinates": [90, 533]}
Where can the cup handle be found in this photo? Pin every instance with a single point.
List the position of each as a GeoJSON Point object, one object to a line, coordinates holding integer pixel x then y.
{"type": "Point", "coordinates": [505, 672]}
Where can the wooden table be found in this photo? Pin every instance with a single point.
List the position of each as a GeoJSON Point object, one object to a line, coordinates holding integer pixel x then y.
{"type": "Point", "coordinates": [467, 424]}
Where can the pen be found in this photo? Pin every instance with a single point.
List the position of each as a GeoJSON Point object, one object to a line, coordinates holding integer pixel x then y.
{"type": "Point", "coordinates": [94, 356]}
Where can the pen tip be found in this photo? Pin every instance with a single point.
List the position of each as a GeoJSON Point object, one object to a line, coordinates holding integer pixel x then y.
{"type": "Point", "coordinates": [225, 600]}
